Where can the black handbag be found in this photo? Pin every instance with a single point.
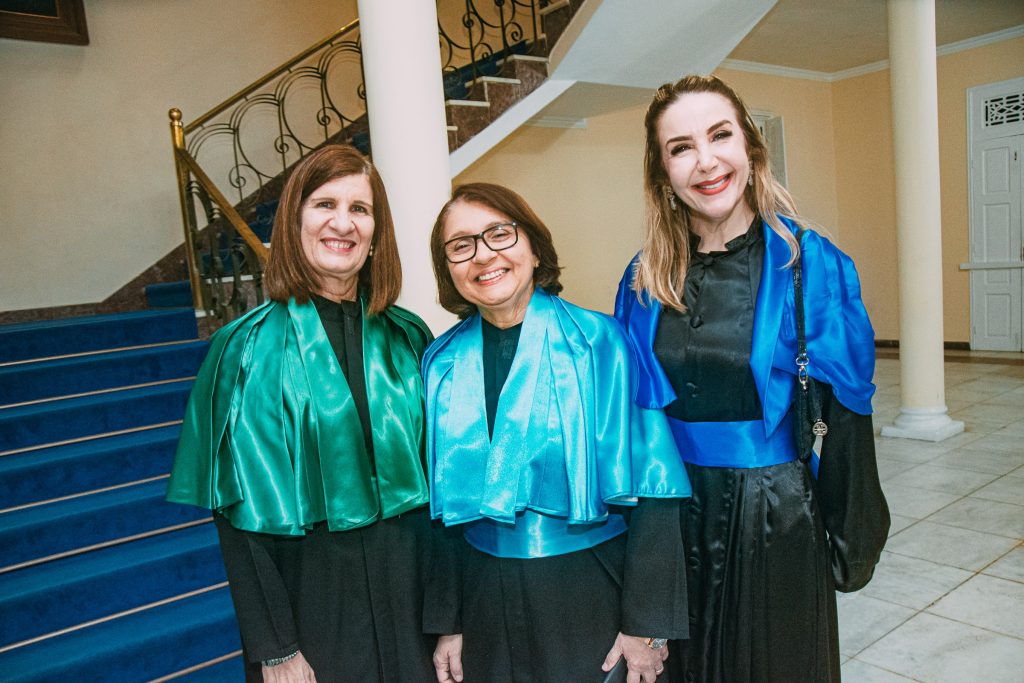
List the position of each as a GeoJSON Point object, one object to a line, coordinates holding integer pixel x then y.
{"type": "Point", "coordinates": [809, 424]}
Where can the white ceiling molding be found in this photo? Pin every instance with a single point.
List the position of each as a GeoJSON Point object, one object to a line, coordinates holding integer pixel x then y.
{"type": "Point", "coordinates": [807, 74]}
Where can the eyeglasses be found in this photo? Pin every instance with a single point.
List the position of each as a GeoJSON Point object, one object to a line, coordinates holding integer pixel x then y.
{"type": "Point", "coordinates": [497, 238]}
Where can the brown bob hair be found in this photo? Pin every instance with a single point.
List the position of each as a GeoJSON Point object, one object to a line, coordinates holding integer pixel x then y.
{"type": "Point", "coordinates": [507, 202]}
{"type": "Point", "coordinates": [666, 250]}
{"type": "Point", "coordinates": [288, 272]}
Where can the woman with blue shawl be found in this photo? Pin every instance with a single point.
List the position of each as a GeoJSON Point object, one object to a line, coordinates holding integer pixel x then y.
{"type": "Point", "coordinates": [552, 484]}
{"type": "Point", "coordinates": [304, 435]}
{"type": "Point", "coordinates": [709, 303]}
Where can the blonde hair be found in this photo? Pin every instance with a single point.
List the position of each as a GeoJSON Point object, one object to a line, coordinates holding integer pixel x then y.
{"type": "Point", "coordinates": [661, 269]}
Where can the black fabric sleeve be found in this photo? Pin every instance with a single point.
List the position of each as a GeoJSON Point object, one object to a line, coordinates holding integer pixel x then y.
{"type": "Point", "coordinates": [261, 600]}
{"type": "Point", "coordinates": [442, 598]}
{"type": "Point", "coordinates": [850, 495]}
{"type": "Point", "coordinates": [654, 603]}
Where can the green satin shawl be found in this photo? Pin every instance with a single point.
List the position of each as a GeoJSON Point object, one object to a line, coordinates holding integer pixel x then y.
{"type": "Point", "coordinates": [271, 437]}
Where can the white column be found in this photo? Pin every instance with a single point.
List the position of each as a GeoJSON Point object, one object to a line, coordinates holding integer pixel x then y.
{"type": "Point", "coordinates": [408, 135]}
{"type": "Point", "coordinates": [915, 122]}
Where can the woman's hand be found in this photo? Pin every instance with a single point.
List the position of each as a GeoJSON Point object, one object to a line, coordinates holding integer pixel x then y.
{"type": "Point", "coordinates": [643, 663]}
{"type": "Point", "coordinates": [295, 670]}
{"type": "Point", "coordinates": [448, 658]}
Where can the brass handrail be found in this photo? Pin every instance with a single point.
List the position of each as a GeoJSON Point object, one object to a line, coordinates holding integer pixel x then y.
{"type": "Point", "coordinates": [259, 83]}
{"type": "Point", "coordinates": [226, 208]}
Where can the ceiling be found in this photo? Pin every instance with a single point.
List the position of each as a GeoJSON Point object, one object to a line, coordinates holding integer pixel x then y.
{"type": "Point", "coordinates": [835, 35]}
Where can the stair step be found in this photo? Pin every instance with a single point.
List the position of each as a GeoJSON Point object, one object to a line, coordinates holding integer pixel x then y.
{"type": "Point", "coordinates": [231, 669]}
{"type": "Point", "coordinates": [25, 341]}
{"type": "Point", "coordinates": [96, 372]}
{"type": "Point", "coordinates": [37, 532]}
{"type": "Point", "coordinates": [60, 471]}
{"type": "Point", "coordinates": [176, 294]}
{"type": "Point", "coordinates": [137, 647]}
{"type": "Point", "coordinates": [80, 589]}
{"type": "Point", "coordinates": [37, 424]}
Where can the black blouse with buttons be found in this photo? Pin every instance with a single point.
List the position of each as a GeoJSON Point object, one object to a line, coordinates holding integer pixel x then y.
{"type": "Point", "coordinates": [705, 351]}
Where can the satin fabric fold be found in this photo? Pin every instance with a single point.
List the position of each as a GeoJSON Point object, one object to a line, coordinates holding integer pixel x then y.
{"type": "Point", "coordinates": [840, 339]}
{"type": "Point", "coordinates": [568, 438]}
{"type": "Point", "coordinates": [271, 437]}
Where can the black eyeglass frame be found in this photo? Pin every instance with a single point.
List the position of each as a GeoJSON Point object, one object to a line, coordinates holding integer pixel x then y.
{"type": "Point", "coordinates": [482, 236]}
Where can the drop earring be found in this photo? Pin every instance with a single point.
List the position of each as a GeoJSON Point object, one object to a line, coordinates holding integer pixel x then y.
{"type": "Point", "coordinates": [371, 251]}
{"type": "Point", "coordinates": [667, 189]}
{"type": "Point", "coordinates": [750, 177]}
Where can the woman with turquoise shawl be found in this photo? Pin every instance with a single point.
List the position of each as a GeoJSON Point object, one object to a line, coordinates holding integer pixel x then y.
{"type": "Point", "coordinates": [710, 306]}
{"type": "Point", "coordinates": [551, 483]}
{"type": "Point", "coordinates": [304, 434]}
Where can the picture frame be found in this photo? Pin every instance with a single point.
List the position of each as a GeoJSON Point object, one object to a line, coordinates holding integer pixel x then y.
{"type": "Point", "coordinates": [51, 21]}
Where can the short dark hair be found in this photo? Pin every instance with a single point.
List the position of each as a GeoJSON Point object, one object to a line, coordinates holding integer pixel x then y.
{"type": "Point", "coordinates": [507, 202]}
{"type": "Point", "coordinates": [288, 272]}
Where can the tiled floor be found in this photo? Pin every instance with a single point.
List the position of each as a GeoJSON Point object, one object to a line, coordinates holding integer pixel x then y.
{"type": "Point", "coordinates": [947, 599]}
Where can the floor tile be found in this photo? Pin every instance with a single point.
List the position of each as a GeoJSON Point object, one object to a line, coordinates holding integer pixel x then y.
{"type": "Point", "coordinates": [864, 620]}
{"type": "Point", "coordinates": [1002, 415]}
{"type": "Point", "coordinates": [912, 582]}
{"type": "Point", "coordinates": [946, 479]}
{"type": "Point", "coordinates": [950, 545]}
{"type": "Point", "coordinates": [993, 462]}
{"type": "Point", "coordinates": [988, 602]}
{"type": "Point", "coordinates": [938, 650]}
{"type": "Point", "coordinates": [891, 467]}
{"type": "Point", "coordinates": [1014, 428]}
{"type": "Point", "coordinates": [899, 523]}
{"type": "Point", "coordinates": [856, 671]}
{"type": "Point", "coordinates": [1000, 442]}
{"type": "Point", "coordinates": [919, 503]}
{"type": "Point", "coordinates": [1009, 566]}
{"type": "Point", "coordinates": [989, 516]}
{"type": "Point", "coordinates": [1007, 489]}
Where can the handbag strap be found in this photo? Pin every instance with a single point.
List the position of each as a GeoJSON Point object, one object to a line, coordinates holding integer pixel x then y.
{"type": "Point", "coordinates": [798, 296]}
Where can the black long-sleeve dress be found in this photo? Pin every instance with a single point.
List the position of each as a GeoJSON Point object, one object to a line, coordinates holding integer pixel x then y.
{"type": "Point", "coordinates": [351, 601]}
{"type": "Point", "coordinates": [765, 547]}
{"type": "Point", "coordinates": [555, 618]}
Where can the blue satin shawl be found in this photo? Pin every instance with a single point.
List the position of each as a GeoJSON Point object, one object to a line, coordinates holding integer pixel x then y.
{"type": "Point", "coordinates": [840, 339]}
{"type": "Point", "coordinates": [568, 438]}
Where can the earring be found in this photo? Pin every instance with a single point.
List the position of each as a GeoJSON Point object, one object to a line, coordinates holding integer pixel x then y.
{"type": "Point", "coordinates": [750, 176]}
{"type": "Point", "coordinates": [667, 189]}
{"type": "Point", "coordinates": [371, 251]}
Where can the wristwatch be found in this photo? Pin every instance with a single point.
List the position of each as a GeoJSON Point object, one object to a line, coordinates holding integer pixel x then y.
{"type": "Point", "coordinates": [656, 643]}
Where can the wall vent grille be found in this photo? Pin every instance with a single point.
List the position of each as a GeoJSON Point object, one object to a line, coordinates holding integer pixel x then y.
{"type": "Point", "coordinates": [1005, 109]}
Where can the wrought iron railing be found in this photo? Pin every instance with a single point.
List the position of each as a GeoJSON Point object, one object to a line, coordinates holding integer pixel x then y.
{"type": "Point", "coordinates": [244, 147]}
{"type": "Point", "coordinates": [484, 31]}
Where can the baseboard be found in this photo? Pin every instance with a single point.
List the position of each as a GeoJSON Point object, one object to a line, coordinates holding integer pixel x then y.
{"type": "Point", "coordinates": [949, 345]}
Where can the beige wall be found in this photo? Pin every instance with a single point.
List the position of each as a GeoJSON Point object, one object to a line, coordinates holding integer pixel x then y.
{"type": "Point", "coordinates": [88, 199]}
{"type": "Point", "coordinates": [586, 184]}
{"type": "Point", "coordinates": [865, 179]}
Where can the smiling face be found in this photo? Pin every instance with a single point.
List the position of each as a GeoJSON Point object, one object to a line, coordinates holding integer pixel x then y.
{"type": "Point", "coordinates": [498, 283]}
{"type": "Point", "coordinates": [705, 156]}
{"type": "Point", "coordinates": [337, 230]}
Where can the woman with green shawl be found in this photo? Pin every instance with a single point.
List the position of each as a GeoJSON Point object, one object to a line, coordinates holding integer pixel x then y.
{"type": "Point", "coordinates": [304, 434]}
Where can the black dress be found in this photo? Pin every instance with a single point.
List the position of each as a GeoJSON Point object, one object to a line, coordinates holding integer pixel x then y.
{"type": "Point", "coordinates": [555, 618]}
{"type": "Point", "coordinates": [351, 601]}
{"type": "Point", "coordinates": [766, 547]}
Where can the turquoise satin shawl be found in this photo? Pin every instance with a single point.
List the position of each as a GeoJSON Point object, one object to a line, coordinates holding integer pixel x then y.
{"type": "Point", "coordinates": [271, 437]}
{"type": "Point", "coordinates": [840, 340]}
{"type": "Point", "coordinates": [568, 438]}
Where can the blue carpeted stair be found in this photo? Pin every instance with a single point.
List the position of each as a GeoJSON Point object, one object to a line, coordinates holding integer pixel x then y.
{"type": "Point", "coordinates": [100, 578]}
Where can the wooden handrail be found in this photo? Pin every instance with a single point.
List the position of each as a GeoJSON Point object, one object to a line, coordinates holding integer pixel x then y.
{"type": "Point", "coordinates": [255, 85]}
{"type": "Point", "coordinates": [227, 209]}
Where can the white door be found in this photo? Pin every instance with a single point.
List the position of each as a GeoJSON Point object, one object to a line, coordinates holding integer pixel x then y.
{"type": "Point", "coordinates": [996, 301]}
{"type": "Point", "coordinates": [996, 143]}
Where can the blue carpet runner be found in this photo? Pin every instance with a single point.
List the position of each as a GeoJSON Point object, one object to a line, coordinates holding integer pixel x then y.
{"type": "Point", "coordinates": [100, 578]}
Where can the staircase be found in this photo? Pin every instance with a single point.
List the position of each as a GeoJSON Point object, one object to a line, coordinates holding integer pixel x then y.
{"type": "Point", "coordinates": [100, 578]}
